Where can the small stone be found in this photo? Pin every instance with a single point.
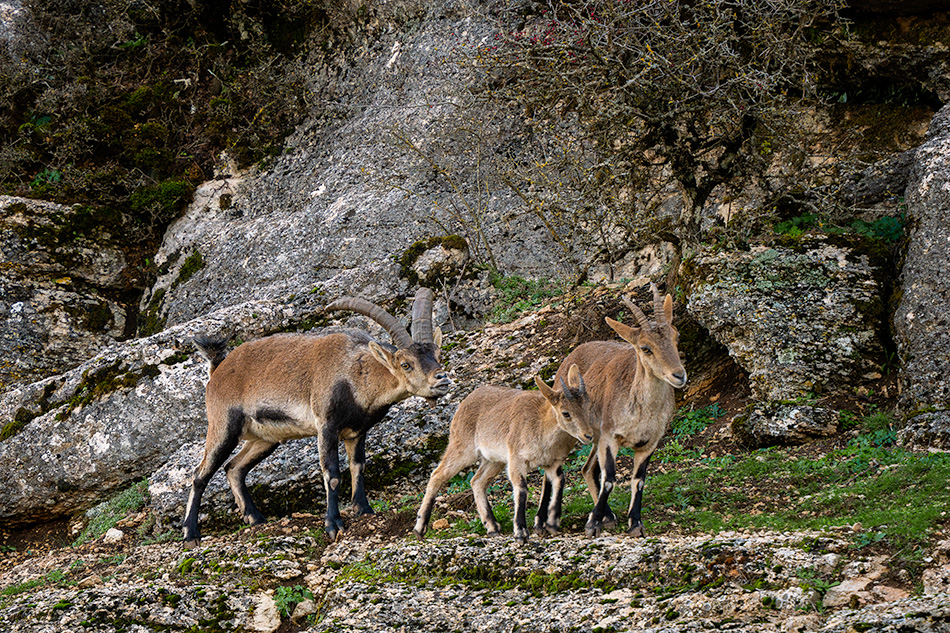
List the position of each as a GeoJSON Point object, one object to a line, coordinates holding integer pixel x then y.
{"type": "Point", "coordinates": [440, 524]}
{"type": "Point", "coordinates": [113, 535]}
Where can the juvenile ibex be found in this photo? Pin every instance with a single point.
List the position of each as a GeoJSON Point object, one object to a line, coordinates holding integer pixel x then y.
{"type": "Point", "coordinates": [631, 388]}
{"type": "Point", "coordinates": [335, 386]}
{"type": "Point", "coordinates": [523, 429]}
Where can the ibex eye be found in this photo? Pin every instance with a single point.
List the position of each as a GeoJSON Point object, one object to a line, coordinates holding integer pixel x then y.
{"type": "Point", "coordinates": [406, 366]}
{"type": "Point", "coordinates": [567, 416]}
{"type": "Point", "coordinates": [646, 350]}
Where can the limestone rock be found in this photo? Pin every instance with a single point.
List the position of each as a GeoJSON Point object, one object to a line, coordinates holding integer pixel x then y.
{"type": "Point", "coordinates": [784, 425]}
{"type": "Point", "coordinates": [799, 321]}
{"type": "Point", "coordinates": [339, 208]}
{"type": "Point", "coordinates": [920, 321]}
{"type": "Point", "coordinates": [55, 305]}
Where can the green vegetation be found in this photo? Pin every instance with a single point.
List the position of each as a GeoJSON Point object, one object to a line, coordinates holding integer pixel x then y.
{"type": "Point", "coordinates": [898, 496]}
{"type": "Point", "coordinates": [889, 229]}
{"type": "Point", "coordinates": [690, 422]}
{"type": "Point", "coordinates": [517, 295]}
{"type": "Point", "coordinates": [288, 597]}
{"type": "Point", "coordinates": [55, 577]}
{"type": "Point", "coordinates": [136, 104]}
{"type": "Point", "coordinates": [192, 264]}
{"type": "Point", "coordinates": [105, 515]}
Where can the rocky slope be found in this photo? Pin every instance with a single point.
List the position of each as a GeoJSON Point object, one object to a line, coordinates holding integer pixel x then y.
{"type": "Point", "coordinates": [796, 333]}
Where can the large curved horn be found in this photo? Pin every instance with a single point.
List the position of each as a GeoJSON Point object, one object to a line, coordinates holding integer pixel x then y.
{"type": "Point", "coordinates": [637, 312]}
{"type": "Point", "coordinates": [389, 323]}
{"type": "Point", "coordinates": [422, 316]}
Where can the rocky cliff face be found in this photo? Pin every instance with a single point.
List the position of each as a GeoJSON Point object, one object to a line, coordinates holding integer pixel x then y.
{"type": "Point", "coordinates": [783, 327]}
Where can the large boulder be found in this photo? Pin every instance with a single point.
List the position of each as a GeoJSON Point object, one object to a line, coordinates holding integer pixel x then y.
{"type": "Point", "coordinates": [802, 319]}
{"type": "Point", "coordinates": [59, 283]}
{"type": "Point", "coordinates": [920, 321]}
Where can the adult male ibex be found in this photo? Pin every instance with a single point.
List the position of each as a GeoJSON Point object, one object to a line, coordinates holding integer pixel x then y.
{"type": "Point", "coordinates": [631, 389]}
{"type": "Point", "coordinates": [335, 386]}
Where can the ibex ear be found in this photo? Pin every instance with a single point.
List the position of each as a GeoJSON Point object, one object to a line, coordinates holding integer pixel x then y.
{"type": "Point", "coordinates": [668, 308]}
{"type": "Point", "coordinates": [437, 341]}
{"type": "Point", "coordinates": [385, 357]}
{"type": "Point", "coordinates": [574, 379]}
{"type": "Point", "coordinates": [627, 333]}
{"type": "Point", "coordinates": [546, 391]}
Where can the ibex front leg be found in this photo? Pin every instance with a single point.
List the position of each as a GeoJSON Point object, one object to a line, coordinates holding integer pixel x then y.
{"type": "Point", "coordinates": [606, 458]}
{"type": "Point", "coordinates": [634, 524]}
{"type": "Point", "coordinates": [330, 465]}
{"type": "Point", "coordinates": [356, 455]}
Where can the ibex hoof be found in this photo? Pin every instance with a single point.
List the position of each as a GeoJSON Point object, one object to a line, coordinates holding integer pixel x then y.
{"type": "Point", "coordinates": [637, 531]}
{"type": "Point", "coordinates": [493, 533]}
{"type": "Point", "coordinates": [334, 529]}
{"type": "Point", "coordinates": [420, 534]}
{"type": "Point", "coordinates": [193, 543]}
{"type": "Point", "coordinates": [359, 511]}
{"type": "Point", "coordinates": [594, 529]}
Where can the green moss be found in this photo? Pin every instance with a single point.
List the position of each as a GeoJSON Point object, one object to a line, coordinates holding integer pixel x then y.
{"type": "Point", "coordinates": [103, 381]}
{"type": "Point", "coordinates": [192, 264]}
{"type": "Point", "coordinates": [98, 318]}
{"type": "Point", "coordinates": [22, 417]}
{"type": "Point", "coordinates": [150, 322]}
{"type": "Point", "coordinates": [163, 200]}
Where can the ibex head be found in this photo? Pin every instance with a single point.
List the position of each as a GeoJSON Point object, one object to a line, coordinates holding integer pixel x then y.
{"type": "Point", "coordinates": [416, 361]}
{"type": "Point", "coordinates": [655, 341]}
{"type": "Point", "coordinates": [572, 407]}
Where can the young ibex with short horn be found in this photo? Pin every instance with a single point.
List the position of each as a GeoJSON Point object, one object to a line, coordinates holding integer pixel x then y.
{"type": "Point", "coordinates": [631, 388]}
{"type": "Point", "coordinates": [523, 429]}
{"type": "Point", "coordinates": [335, 386]}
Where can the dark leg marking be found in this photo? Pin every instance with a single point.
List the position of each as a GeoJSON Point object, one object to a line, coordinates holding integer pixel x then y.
{"type": "Point", "coordinates": [634, 523]}
{"type": "Point", "coordinates": [541, 518]}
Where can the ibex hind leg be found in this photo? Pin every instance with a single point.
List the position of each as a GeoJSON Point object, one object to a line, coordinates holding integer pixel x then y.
{"type": "Point", "coordinates": [356, 455]}
{"type": "Point", "coordinates": [450, 466]}
{"type": "Point", "coordinates": [218, 448]}
{"type": "Point", "coordinates": [253, 453]}
{"type": "Point", "coordinates": [597, 519]}
{"type": "Point", "coordinates": [548, 518]}
{"type": "Point", "coordinates": [480, 482]}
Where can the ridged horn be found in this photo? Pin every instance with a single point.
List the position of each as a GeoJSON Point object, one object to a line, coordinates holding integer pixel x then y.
{"type": "Point", "coordinates": [422, 316]}
{"type": "Point", "coordinates": [565, 390]}
{"type": "Point", "coordinates": [638, 313]}
{"type": "Point", "coordinates": [659, 313]}
{"type": "Point", "coordinates": [388, 322]}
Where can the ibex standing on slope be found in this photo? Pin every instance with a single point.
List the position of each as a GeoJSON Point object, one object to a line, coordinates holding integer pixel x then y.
{"type": "Point", "coordinates": [631, 389]}
{"type": "Point", "coordinates": [335, 386]}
